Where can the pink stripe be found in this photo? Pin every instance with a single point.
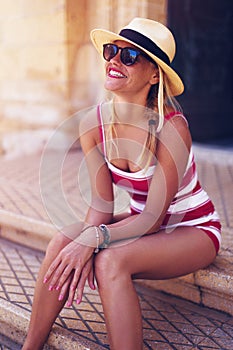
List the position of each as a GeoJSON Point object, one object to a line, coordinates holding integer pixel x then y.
{"type": "Point", "coordinates": [195, 190]}
{"type": "Point", "coordinates": [202, 210]}
{"type": "Point", "coordinates": [142, 184]}
{"type": "Point", "coordinates": [213, 238]}
{"type": "Point", "coordinates": [137, 184]}
{"type": "Point", "coordinates": [171, 114]}
{"type": "Point", "coordinates": [189, 175]}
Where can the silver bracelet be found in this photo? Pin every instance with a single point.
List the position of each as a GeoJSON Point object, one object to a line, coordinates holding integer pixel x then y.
{"type": "Point", "coordinates": [97, 249]}
{"type": "Point", "coordinates": [106, 234]}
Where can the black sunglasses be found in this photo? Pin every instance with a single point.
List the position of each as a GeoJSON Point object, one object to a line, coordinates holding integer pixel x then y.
{"type": "Point", "coordinates": [128, 55]}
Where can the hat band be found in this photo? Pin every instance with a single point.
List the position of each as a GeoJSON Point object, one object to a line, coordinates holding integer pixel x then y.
{"type": "Point", "coordinates": [146, 43]}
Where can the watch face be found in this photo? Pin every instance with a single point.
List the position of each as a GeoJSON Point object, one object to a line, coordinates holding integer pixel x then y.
{"type": "Point", "coordinates": [106, 235]}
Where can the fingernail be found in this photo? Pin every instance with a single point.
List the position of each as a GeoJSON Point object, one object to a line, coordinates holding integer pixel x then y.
{"type": "Point", "coordinates": [50, 288]}
{"type": "Point", "coordinates": [68, 304]}
{"type": "Point", "coordinates": [78, 301]}
{"type": "Point", "coordinates": [45, 280]}
{"type": "Point", "coordinates": [57, 288]}
{"type": "Point", "coordinates": [61, 297]}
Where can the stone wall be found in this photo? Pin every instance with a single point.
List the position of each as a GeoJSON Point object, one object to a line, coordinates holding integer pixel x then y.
{"type": "Point", "coordinates": [48, 67]}
{"type": "Point", "coordinates": [87, 74]}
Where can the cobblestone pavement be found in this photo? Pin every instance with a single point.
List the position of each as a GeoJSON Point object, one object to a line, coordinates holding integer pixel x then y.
{"type": "Point", "coordinates": [7, 344]}
{"type": "Point", "coordinates": [169, 322]}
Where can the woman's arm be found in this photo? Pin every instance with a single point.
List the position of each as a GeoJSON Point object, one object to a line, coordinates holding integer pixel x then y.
{"type": "Point", "coordinates": [73, 265]}
{"type": "Point", "coordinates": [102, 198]}
{"type": "Point", "coordinates": [172, 156]}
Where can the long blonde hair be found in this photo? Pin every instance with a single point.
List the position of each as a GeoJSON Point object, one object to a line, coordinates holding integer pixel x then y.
{"type": "Point", "coordinates": [159, 99]}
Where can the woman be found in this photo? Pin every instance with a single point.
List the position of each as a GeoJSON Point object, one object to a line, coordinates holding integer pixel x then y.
{"type": "Point", "coordinates": [140, 141]}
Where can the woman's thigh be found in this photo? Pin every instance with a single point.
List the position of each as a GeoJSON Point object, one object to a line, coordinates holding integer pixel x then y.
{"type": "Point", "coordinates": [166, 255]}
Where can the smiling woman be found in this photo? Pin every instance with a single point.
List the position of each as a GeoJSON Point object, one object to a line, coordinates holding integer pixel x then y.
{"type": "Point", "coordinates": [120, 71]}
{"type": "Point", "coordinates": [140, 142]}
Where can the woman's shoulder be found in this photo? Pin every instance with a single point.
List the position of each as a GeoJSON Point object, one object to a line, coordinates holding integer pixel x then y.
{"type": "Point", "coordinates": [176, 118]}
{"type": "Point", "coordinates": [88, 120]}
{"type": "Point", "coordinates": [175, 126]}
{"type": "Point", "coordinates": [173, 115]}
{"type": "Point", "coordinates": [88, 129]}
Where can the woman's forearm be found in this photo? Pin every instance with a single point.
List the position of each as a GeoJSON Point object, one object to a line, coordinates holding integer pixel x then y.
{"type": "Point", "coordinates": [134, 226]}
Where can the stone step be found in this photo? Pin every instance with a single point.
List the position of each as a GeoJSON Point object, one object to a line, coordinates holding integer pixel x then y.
{"type": "Point", "coordinates": [29, 217]}
{"type": "Point", "coordinates": [211, 287]}
{"type": "Point", "coordinates": [18, 270]}
{"type": "Point", "coordinates": [168, 322]}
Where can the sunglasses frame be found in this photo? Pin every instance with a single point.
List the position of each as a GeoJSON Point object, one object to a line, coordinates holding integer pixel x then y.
{"type": "Point", "coordinates": [121, 49]}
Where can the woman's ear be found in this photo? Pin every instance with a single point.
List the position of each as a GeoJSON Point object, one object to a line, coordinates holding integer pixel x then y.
{"type": "Point", "coordinates": [155, 77]}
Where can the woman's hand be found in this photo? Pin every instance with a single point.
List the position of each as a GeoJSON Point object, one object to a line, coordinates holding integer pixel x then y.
{"type": "Point", "coordinates": [70, 270]}
{"type": "Point", "coordinates": [69, 285]}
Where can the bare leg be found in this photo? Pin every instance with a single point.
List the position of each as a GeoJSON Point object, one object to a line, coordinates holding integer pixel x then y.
{"type": "Point", "coordinates": [46, 305]}
{"type": "Point", "coordinates": [156, 256]}
{"type": "Point", "coordinates": [122, 313]}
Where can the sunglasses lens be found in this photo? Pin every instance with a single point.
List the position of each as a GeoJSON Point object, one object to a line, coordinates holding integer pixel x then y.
{"type": "Point", "coordinates": [109, 51]}
{"type": "Point", "coordinates": [129, 56]}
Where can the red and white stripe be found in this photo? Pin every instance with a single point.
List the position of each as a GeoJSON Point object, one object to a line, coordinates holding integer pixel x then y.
{"type": "Point", "coordinates": [190, 207]}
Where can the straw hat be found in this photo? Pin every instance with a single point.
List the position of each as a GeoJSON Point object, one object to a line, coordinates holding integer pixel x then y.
{"type": "Point", "coordinates": [150, 36]}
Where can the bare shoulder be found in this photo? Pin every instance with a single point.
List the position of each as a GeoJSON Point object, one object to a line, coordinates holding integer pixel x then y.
{"type": "Point", "coordinates": [88, 121]}
{"type": "Point", "coordinates": [179, 122]}
{"type": "Point", "coordinates": [88, 129]}
{"type": "Point", "coordinates": [174, 129]}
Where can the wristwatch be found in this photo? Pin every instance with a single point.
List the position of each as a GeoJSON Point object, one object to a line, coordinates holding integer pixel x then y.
{"type": "Point", "coordinates": [106, 234]}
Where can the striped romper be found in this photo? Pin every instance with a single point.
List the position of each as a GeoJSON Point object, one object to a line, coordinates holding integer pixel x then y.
{"type": "Point", "coordinates": [191, 205]}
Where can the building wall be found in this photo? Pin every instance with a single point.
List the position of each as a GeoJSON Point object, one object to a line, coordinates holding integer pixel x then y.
{"type": "Point", "coordinates": [33, 60]}
{"type": "Point", "coordinates": [87, 67]}
{"type": "Point", "coordinates": [48, 67]}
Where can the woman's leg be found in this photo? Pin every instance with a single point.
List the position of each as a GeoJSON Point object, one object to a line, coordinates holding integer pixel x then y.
{"type": "Point", "coordinates": [46, 305]}
{"type": "Point", "coordinates": [156, 256]}
{"type": "Point", "coordinates": [121, 309]}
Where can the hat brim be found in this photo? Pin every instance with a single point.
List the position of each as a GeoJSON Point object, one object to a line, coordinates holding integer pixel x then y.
{"type": "Point", "coordinates": [100, 37]}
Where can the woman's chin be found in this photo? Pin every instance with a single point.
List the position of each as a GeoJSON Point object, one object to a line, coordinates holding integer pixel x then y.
{"type": "Point", "coordinates": [113, 84]}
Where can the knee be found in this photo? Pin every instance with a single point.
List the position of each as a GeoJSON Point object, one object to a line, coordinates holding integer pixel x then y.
{"type": "Point", "coordinates": [109, 266]}
{"type": "Point", "coordinates": [57, 243]}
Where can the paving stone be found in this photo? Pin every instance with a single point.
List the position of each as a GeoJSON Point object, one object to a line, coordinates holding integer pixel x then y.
{"type": "Point", "coordinates": [8, 344]}
{"type": "Point", "coordinates": [169, 322]}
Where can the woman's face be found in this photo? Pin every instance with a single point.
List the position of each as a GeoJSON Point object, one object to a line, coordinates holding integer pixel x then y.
{"type": "Point", "coordinates": [134, 79]}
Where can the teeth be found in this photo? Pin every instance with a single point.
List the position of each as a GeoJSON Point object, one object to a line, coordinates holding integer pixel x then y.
{"type": "Point", "coordinates": [116, 74]}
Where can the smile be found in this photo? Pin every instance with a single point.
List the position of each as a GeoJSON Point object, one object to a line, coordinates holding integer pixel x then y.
{"type": "Point", "coordinates": [116, 74]}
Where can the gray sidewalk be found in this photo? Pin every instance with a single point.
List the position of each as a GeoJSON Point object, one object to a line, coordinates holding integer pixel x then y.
{"type": "Point", "coordinates": [170, 322]}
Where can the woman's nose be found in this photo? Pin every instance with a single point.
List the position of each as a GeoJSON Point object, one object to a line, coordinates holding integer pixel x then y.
{"type": "Point", "coordinates": [117, 57]}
